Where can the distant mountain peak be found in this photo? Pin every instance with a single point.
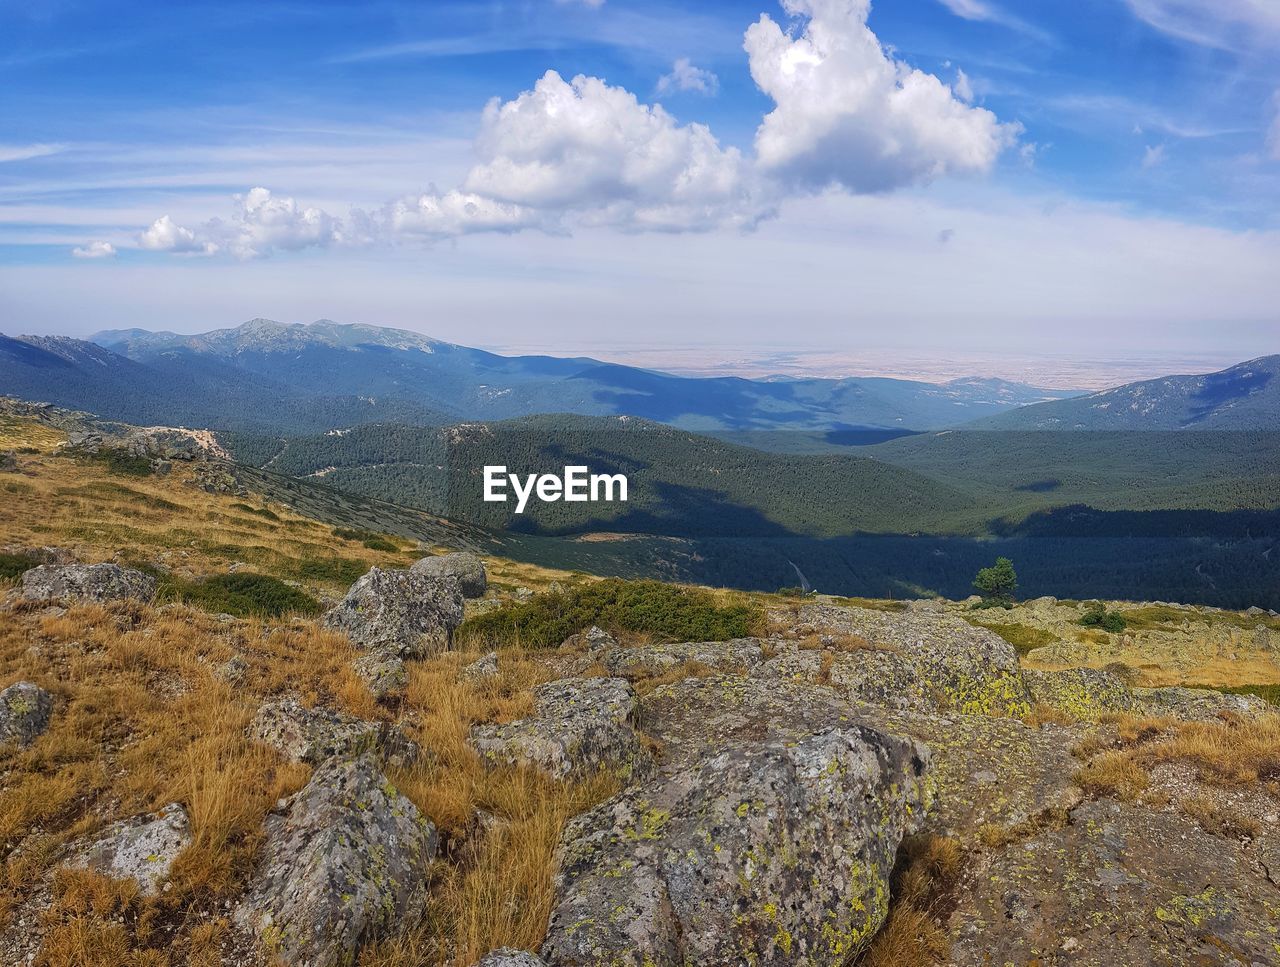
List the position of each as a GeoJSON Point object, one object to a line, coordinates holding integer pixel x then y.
{"type": "Point", "coordinates": [268, 336]}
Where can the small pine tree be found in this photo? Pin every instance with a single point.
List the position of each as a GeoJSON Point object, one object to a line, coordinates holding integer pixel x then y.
{"type": "Point", "coordinates": [998, 582]}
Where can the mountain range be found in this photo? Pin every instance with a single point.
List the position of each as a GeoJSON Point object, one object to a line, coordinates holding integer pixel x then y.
{"type": "Point", "coordinates": [273, 377]}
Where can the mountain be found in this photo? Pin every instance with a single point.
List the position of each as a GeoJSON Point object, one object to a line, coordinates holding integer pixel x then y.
{"type": "Point", "coordinates": [1243, 397]}
{"type": "Point", "coordinates": [385, 365]}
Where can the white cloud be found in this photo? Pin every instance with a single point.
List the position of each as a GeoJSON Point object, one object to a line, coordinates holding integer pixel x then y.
{"type": "Point", "coordinates": [25, 152]}
{"type": "Point", "coordinates": [979, 10]}
{"type": "Point", "coordinates": [94, 250]}
{"type": "Point", "coordinates": [453, 213]}
{"type": "Point", "coordinates": [165, 235]}
{"type": "Point", "coordinates": [685, 76]}
{"type": "Point", "coordinates": [1153, 157]}
{"type": "Point", "coordinates": [848, 113]}
{"type": "Point", "coordinates": [1226, 24]}
{"type": "Point", "coordinates": [963, 87]}
{"type": "Point", "coordinates": [261, 223]}
{"type": "Point", "coordinates": [586, 149]}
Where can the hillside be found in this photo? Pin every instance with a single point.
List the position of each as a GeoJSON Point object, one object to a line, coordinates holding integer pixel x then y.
{"type": "Point", "coordinates": [182, 767]}
{"type": "Point", "coordinates": [387, 368]}
{"type": "Point", "coordinates": [1242, 397]}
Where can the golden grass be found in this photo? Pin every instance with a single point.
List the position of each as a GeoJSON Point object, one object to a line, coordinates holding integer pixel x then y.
{"type": "Point", "coordinates": [914, 936]}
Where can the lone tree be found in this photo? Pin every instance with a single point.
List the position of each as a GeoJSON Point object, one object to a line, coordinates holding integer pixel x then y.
{"type": "Point", "coordinates": [998, 582]}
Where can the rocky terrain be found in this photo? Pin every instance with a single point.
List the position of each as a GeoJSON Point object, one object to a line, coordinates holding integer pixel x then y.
{"type": "Point", "coordinates": [368, 782]}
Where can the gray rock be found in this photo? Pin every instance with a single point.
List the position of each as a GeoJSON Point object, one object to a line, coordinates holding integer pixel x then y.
{"type": "Point", "coordinates": [486, 666]}
{"type": "Point", "coordinates": [399, 612]}
{"type": "Point", "coordinates": [510, 957]}
{"type": "Point", "coordinates": [86, 582]}
{"type": "Point", "coordinates": [770, 853]}
{"type": "Point", "coordinates": [233, 670]}
{"type": "Point", "coordinates": [742, 653]}
{"type": "Point", "coordinates": [594, 639]}
{"type": "Point", "coordinates": [25, 710]}
{"type": "Point", "coordinates": [954, 666]}
{"type": "Point", "coordinates": [382, 673]}
{"type": "Point", "coordinates": [344, 865]}
{"type": "Point", "coordinates": [142, 848]}
{"type": "Point", "coordinates": [312, 734]}
{"type": "Point", "coordinates": [1199, 703]}
{"type": "Point", "coordinates": [8, 461]}
{"type": "Point", "coordinates": [215, 477]}
{"type": "Point", "coordinates": [1084, 694]}
{"type": "Point", "coordinates": [579, 725]}
{"type": "Point", "coordinates": [465, 567]}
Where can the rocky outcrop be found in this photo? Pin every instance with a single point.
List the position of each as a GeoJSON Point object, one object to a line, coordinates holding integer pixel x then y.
{"type": "Point", "coordinates": [484, 667]}
{"type": "Point", "coordinates": [399, 612]}
{"type": "Point", "coordinates": [313, 735]}
{"type": "Point", "coordinates": [1083, 694]}
{"type": "Point", "coordinates": [947, 664]}
{"type": "Point", "coordinates": [510, 957]}
{"type": "Point", "coordinates": [8, 461]}
{"type": "Point", "coordinates": [86, 582]}
{"type": "Point", "coordinates": [466, 568]}
{"type": "Point", "coordinates": [1118, 885]}
{"type": "Point", "coordinates": [739, 654]}
{"type": "Point", "coordinates": [142, 848]}
{"type": "Point", "coordinates": [25, 710]}
{"type": "Point", "coordinates": [1199, 703]}
{"type": "Point", "coordinates": [344, 865]}
{"type": "Point", "coordinates": [215, 477]}
{"type": "Point", "coordinates": [769, 853]}
{"type": "Point", "coordinates": [594, 639]}
{"type": "Point", "coordinates": [382, 673]}
{"type": "Point", "coordinates": [579, 726]}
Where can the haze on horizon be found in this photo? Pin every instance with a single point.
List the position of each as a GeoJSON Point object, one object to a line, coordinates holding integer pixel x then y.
{"type": "Point", "coordinates": [945, 177]}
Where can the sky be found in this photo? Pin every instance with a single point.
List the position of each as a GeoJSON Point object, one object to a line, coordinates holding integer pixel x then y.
{"type": "Point", "coordinates": [1093, 179]}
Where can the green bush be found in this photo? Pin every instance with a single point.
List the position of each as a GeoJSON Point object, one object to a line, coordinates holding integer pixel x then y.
{"type": "Point", "coordinates": [1269, 693]}
{"type": "Point", "coordinates": [663, 610]}
{"type": "Point", "coordinates": [380, 544]}
{"type": "Point", "coordinates": [1024, 638]}
{"type": "Point", "coordinates": [1099, 617]}
{"type": "Point", "coordinates": [332, 570]}
{"type": "Point", "coordinates": [13, 566]}
{"type": "Point", "coordinates": [121, 462]}
{"type": "Point", "coordinates": [243, 595]}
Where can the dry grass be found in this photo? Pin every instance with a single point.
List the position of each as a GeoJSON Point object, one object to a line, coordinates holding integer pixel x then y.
{"type": "Point", "coordinates": [1219, 819]}
{"type": "Point", "coordinates": [927, 869]}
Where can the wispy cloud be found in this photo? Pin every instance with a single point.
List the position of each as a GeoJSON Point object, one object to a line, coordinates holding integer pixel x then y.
{"type": "Point", "coordinates": [1224, 24]}
{"type": "Point", "coordinates": [24, 152]}
{"type": "Point", "coordinates": [980, 10]}
{"type": "Point", "coordinates": [685, 76]}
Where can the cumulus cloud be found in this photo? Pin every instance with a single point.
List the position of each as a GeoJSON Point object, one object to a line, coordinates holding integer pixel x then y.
{"type": "Point", "coordinates": [587, 149]}
{"type": "Point", "coordinates": [260, 223]}
{"type": "Point", "coordinates": [452, 213]}
{"type": "Point", "coordinates": [685, 76]}
{"type": "Point", "coordinates": [849, 114]}
{"type": "Point", "coordinates": [963, 86]}
{"type": "Point", "coordinates": [94, 250]}
{"type": "Point", "coordinates": [165, 235]}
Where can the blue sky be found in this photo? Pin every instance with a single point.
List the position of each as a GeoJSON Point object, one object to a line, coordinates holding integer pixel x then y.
{"type": "Point", "coordinates": [1090, 177]}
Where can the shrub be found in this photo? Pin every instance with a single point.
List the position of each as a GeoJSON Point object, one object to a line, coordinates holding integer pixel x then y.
{"type": "Point", "coordinates": [333, 570]}
{"type": "Point", "coordinates": [13, 566]}
{"type": "Point", "coordinates": [998, 582]}
{"type": "Point", "coordinates": [380, 544]}
{"type": "Point", "coordinates": [243, 595]}
{"type": "Point", "coordinates": [1024, 638]}
{"type": "Point", "coordinates": [1269, 693]}
{"type": "Point", "coordinates": [122, 462]}
{"type": "Point", "coordinates": [1099, 617]}
{"type": "Point", "coordinates": [260, 511]}
{"type": "Point", "coordinates": [652, 607]}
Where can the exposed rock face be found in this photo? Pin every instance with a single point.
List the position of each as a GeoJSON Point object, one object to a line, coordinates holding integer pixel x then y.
{"type": "Point", "coordinates": [1199, 703]}
{"type": "Point", "coordinates": [486, 666]}
{"type": "Point", "coordinates": [1118, 885]}
{"type": "Point", "coordinates": [218, 478]}
{"type": "Point", "coordinates": [579, 725]}
{"type": "Point", "coordinates": [141, 849]}
{"type": "Point", "coordinates": [86, 582]}
{"type": "Point", "coordinates": [465, 567]}
{"type": "Point", "coordinates": [382, 673]}
{"type": "Point", "coordinates": [1082, 693]}
{"type": "Point", "coordinates": [594, 639]}
{"type": "Point", "coordinates": [312, 734]}
{"type": "Point", "coordinates": [955, 666]}
{"type": "Point", "coordinates": [25, 710]}
{"type": "Point", "coordinates": [510, 957]}
{"type": "Point", "coordinates": [775, 852]}
{"type": "Point", "coordinates": [344, 865]}
{"type": "Point", "coordinates": [399, 612]}
{"type": "Point", "coordinates": [721, 655]}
